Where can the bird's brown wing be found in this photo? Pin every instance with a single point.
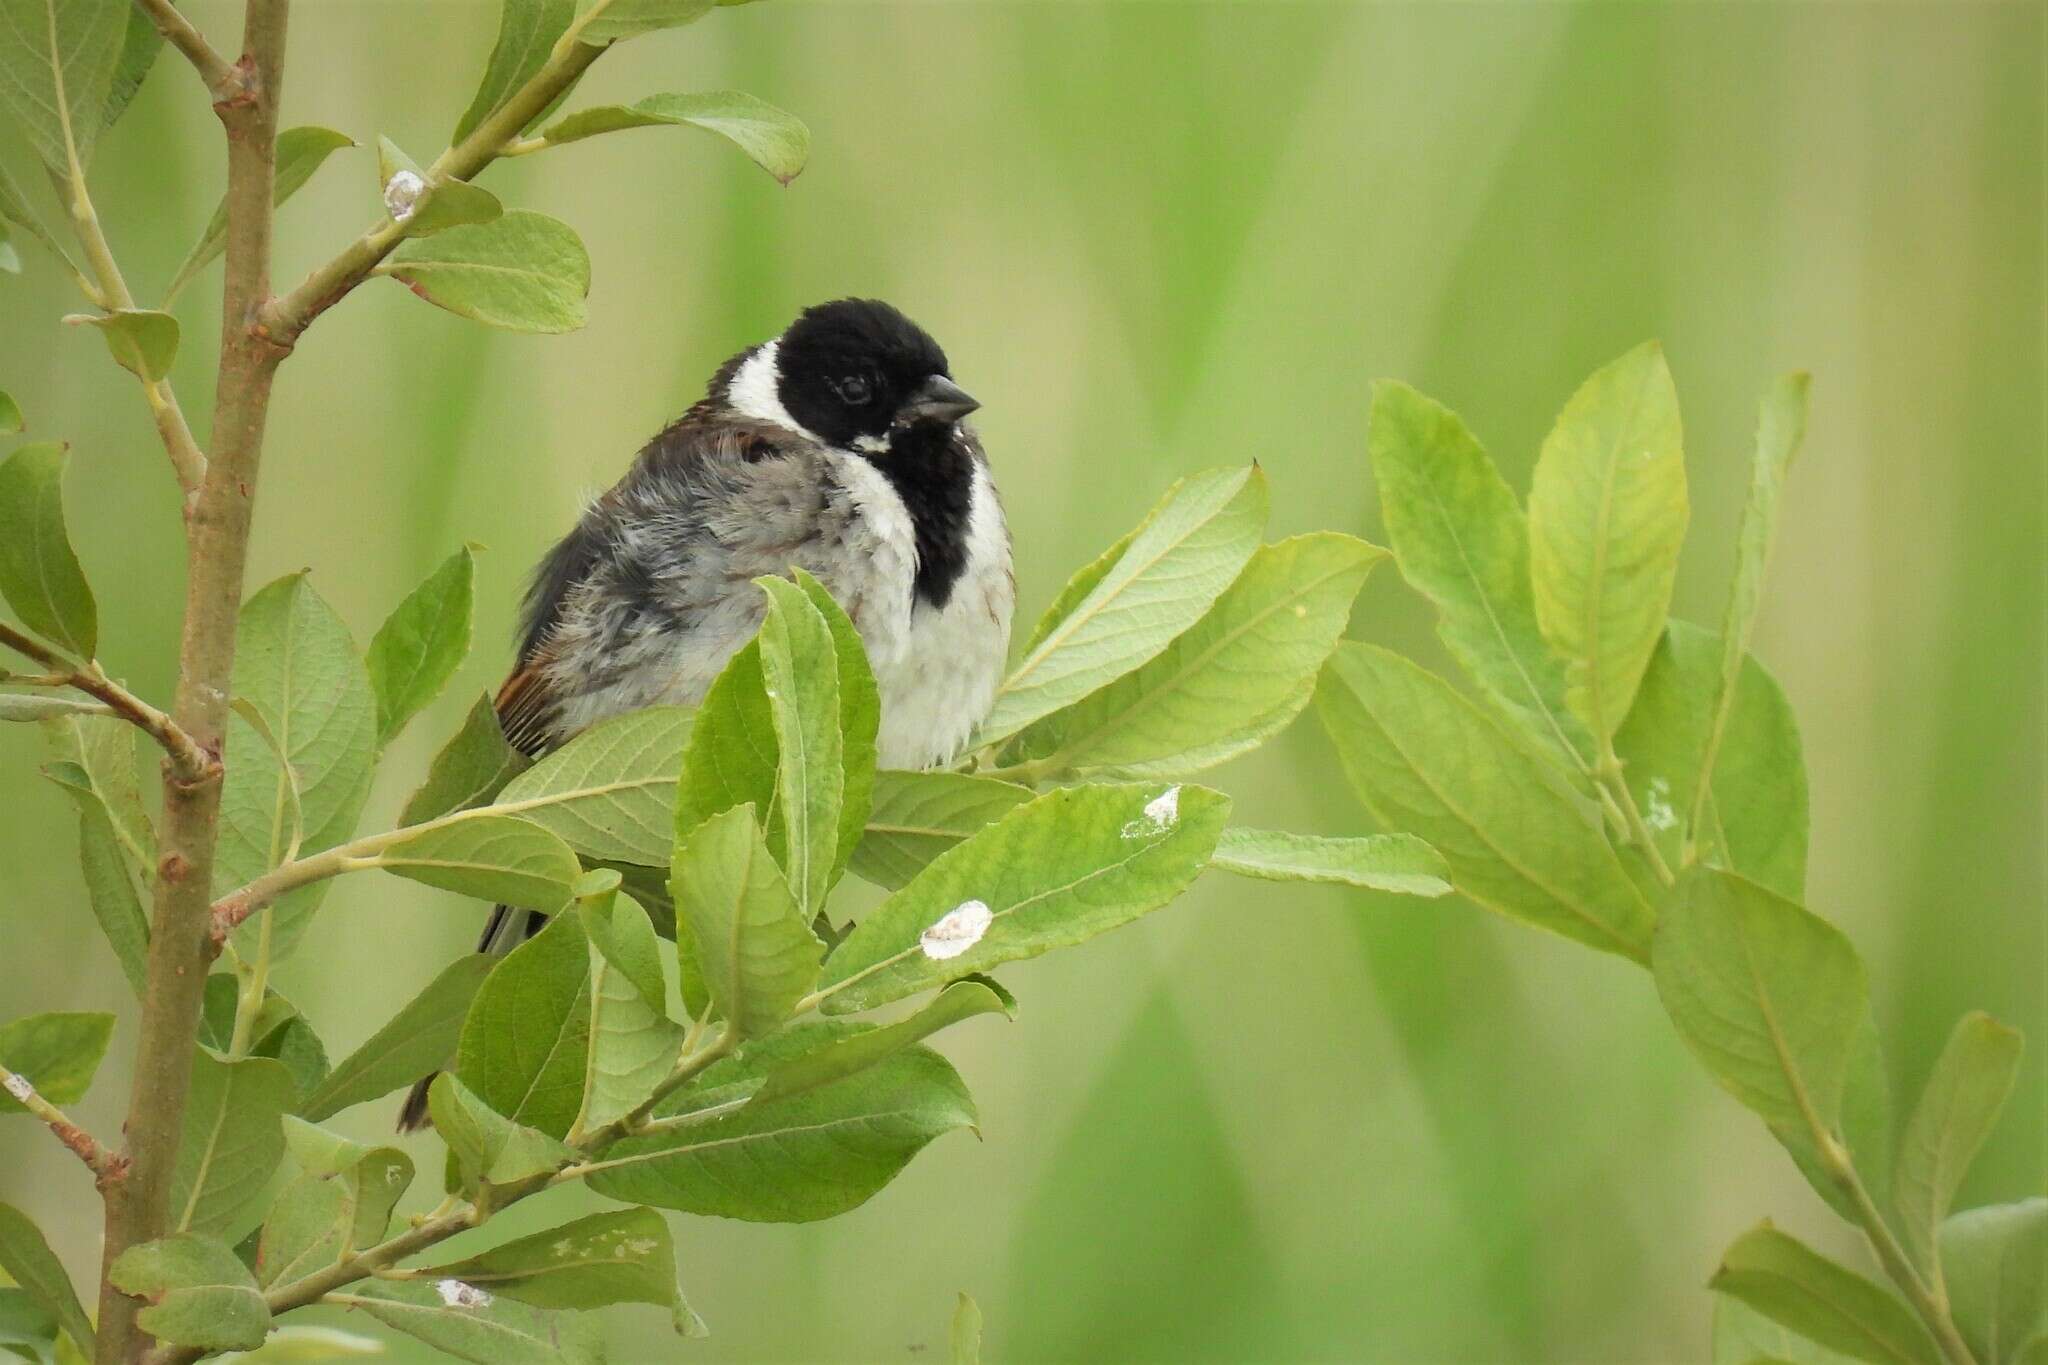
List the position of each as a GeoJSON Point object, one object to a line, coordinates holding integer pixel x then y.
{"type": "Point", "coordinates": [527, 707]}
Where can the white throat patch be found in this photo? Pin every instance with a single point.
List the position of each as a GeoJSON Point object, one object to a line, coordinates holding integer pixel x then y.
{"type": "Point", "coordinates": [753, 392]}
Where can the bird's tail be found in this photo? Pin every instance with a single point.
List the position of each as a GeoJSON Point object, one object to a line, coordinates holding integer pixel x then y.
{"type": "Point", "coordinates": [506, 930]}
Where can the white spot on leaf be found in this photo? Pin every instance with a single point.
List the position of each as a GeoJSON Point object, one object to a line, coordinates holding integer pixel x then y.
{"type": "Point", "coordinates": [957, 930]}
{"type": "Point", "coordinates": [456, 1294]}
{"type": "Point", "coordinates": [1660, 816]}
{"type": "Point", "coordinates": [1161, 813]}
{"type": "Point", "coordinates": [402, 194]}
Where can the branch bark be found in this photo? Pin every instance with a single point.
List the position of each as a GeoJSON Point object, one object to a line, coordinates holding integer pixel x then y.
{"type": "Point", "coordinates": [217, 542]}
{"type": "Point", "coordinates": [187, 758]}
{"type": "Point", "coordinates": [179, 33]}
{"type": "Point", "coordinates": [106, 1166]}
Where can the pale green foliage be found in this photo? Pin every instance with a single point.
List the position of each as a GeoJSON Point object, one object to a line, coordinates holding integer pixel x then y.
{"type": "Point", "coordinates": [437, 204]}
{"type": "Point", "coordinates": [492, 857]}
{"type": "Point", "coordinates": [525, 1043]}
{"type": "Point", "coordinates": [421, 643]}
{"type": "Point", "coordinates": [1783, 1278]}
{"type": "Point", "coordinates": [777, 141]}
{"type": "Point", "coordinates": [1607, 513]}
{"type": "Point", "coordinates": [526, 30]}
{"type": "Point", "coordinates": [624, 1256]}
{"type": "Point", "coordinates": [964, 1340]}
{"type": "Point", "coordinates": [416, 1040]}
{"type": "Point", "coordinates": [1191, 547]}
{"type": "Point", "coordinates": [610, 791]}
{"type": "Point", "coordinates": [752, 941]}
{"type": "Point", "coordinates": [633, 1042]}
{"type": "Point", "coordinates": [1955, 1114]}
{"type": "Point", "coordinates": [55, 1053]}
{"type": "Point", "coordinates": [142, 341]}
{"type": "Point", "coordinates": [471, 769]}
{"type": "Point", "coordinates": [1379, 862]}
{"type": "Point", "coordinates": [57, 64]}
{"type": "Point", "coordinates": [1997, 1260]}
{"type": "Point", "coordinates": [39, 575]}
{"type": "Point", "coordinates": [1517, 840]}
{"type": "Point", "coordinates": [29, 1262]}
{"type": "Point", "coordinates": [232, 1145]}
{"type": "Point", "coordinates": [492, 1331]}
{"type": "Point", "coordinates": [199, 1294]}
{"type": "Point", "coordinates": [525, 272]}
{"type": "Point", "coordinates": [918, 816]}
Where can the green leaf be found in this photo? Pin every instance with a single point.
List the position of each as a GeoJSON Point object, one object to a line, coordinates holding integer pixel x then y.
{"type": "Point", "coordinates": [1072, 864]}
{"type": "Point", "coordinates": [1462, 541]}
{"type": "Point", "coordinates": [471, 769]}
{"type": "Point", "coordinates": [1969, 1086]}
{"type": "Point", "coordinates": [777, 141]}
{"type": "Point", "coordinates": [1755, 820]}
{"type": "Point", "coordinates": [633, 1043]}
{"type": "Point", "coordinates": [26, 1257]}
{"type": "Point", "coordinates": [1400, 863]}
{"type": "Point", "coordinates": [480, 1327]}
{"type": "Point", "coordinates": [57, 60]}
{"type": "Point", "coordinates": [96, 766]}
{"type": "Point", "coordinates": [1743, 1336]}
{"type": "Point", "coordinates": [427, 205]}
{"type": "Point", "coordinates": [860, 720]}
{"type": "Point", "coordinates": [836, 1058]}
{"type": "Point", "coordinates": [39, 574]}
{"type": "Point", "coordinates": [422, 643]}
{"type": "Point", "coordinates": [918, 816]}
{"type": "Point", "coordinates": [810, 1156]}
{"type": "Point", "coordinates": [300, 152]}
{"type": "Point", "coordinates": [753, 941]}
{"type": "Point", "coordinates": [1238, 677]}
{"type": "Point", "coordinates": [621, 1256]}
{"type": "Point", "coordinates": [799, 669]}
{"type": "Point", "coordinates": [55, 1053]}
{"type": "Point", "coordinates": [232, 1144]}
{"type": "Point", "coordinates": [627, 18]}
{"type": "Point", "coordinates": [294, 1345]}
{"type": "Point", "coordinates": [1087, 578]}
{"type": "Point", "coordinates": [304, 1232]}
{"type": "Point", "coordinates": [526, 272]}
{"type": "Point", "coordinates": [492, 857]}
{"type": "Point", "coordinates": [142, 341]}
{"type": "Point", "coordinates": [1791, 1284]}
{"type": "Point", "coordinates": [1427, 761]}
{"type": "Point", "coordinates": [489, 1147]}
{"type": "Point", "coordinates": [1191, 547]}
{"type": "Point", "coordinates": [732, 758]}
{"type": "Point", "coordinates": [526, 1042]}
{"type": "Point", "coordinates": [26, 707]}
{"type": "Point", "coordinates": [10, 411]}
{"type": "Point", "coordinates": [964, 1340]}
{"type": "Point", "coordinates": [527, 31]}
{"type": "Point", "coordinates": [296, 664]}
{"type": "Point", "coordinates": [199, 1294]}
{"type": "Point", "coordinates": [27, 1329]}
{"type": "Point", "coordinates": [1996, 1260]}
{"type": "Point", "coordinates": [609, 792]}
{"type": "Point", "coordinates": [419, 1038]}
{"type": "Point", "coordinates": [1607, 514]}
{"type": "Point", "coordinates": [14, 208]}
{"type": "Point", "coordinates": [1767, 996]}
{"type": "Point", "coordinates": [1780, 428]}
{"type": "Point", "coordinates": [140, 44]}
{"type": "Point", "coordinates": [10, 262]}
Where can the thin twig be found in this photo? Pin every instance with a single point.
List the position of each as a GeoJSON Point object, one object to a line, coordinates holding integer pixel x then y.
{"type": "Point", "coordinates": [107, 1166]}
{"type": "Point", "coordinates": [113, 294]}
{"type": "Point", "coordinates": [322, 1284]}
{"type": "Point", "coordinates": [219, 75]}
{"type": "Point", "coordinates": [289, 315]}
{"type": "Point", "coordinates": [188, 759]}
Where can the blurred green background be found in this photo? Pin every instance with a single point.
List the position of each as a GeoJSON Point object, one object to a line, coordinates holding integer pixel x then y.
{"type": "Point", "coordinates": [1269, 1123]}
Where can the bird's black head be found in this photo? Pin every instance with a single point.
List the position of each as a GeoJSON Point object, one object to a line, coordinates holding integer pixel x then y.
{"type": "Point", "coordinates": [856, 373]}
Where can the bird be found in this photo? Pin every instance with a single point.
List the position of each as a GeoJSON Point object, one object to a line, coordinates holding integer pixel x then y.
{"type": "Point", "coordinates": [841, 448]}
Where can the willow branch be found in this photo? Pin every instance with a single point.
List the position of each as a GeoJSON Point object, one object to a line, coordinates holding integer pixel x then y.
{"type": "Point", "coordinates": [106, 1166]}
{"type": "Point", "coordinates": [217, 519]}
{"type": "Point", "coordinates": [440, 1226]}
{"type": "Point", "coordinates": [220, 77]}
{"type": "Point", "coordinates": [188, 759]}
{"type": "Point", "coordinates": [287, 317]}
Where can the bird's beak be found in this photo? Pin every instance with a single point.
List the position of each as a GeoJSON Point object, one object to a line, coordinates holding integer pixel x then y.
{"type": "Point", "coordinates": [939, 400]}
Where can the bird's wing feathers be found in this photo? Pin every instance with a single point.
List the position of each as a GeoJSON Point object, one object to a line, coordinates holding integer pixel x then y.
{"type": "Point", "coordinates": [708, 500]}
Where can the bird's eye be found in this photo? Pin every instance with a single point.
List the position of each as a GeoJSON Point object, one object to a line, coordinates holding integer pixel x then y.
{"type": "Point", "coordinates": [854, 390]}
